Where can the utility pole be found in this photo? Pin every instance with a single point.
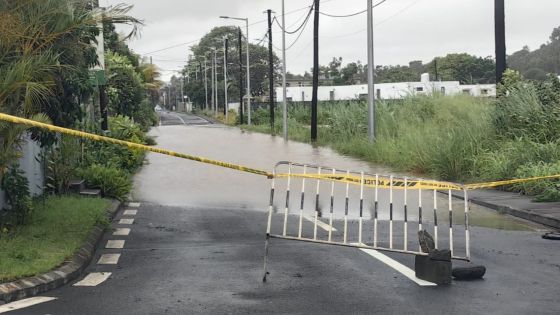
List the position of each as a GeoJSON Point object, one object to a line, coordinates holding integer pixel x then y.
{"type": "Point", "coordinates": [371, 77]}
{"type": "Point", "coordinates": [100, 75]}
{"type": "Point", "coordinates": [240, 47]}
{"type": "Point", "coordinates": [249, 110]}
{"type": "Point", "coordinates": [436, 69]}
{"type": "Point", "coordinates": [205, 84]}
{"type": "Point", "coordinates": [315, 72]}
{"type": "Point", "coordinates": [500, 37]}
{"type": "Point", "coordinates": [182, 93]}
{"type": "Point", "coordinates": [212, 83]}
{"type": "Point", "coordinates": [215, 83]}
{"type": "Point", "coordinates": [270, 71]}
{"type": "Point", "coordinates": [225, 78]}
{"type": "Point", "coordinates": [284, 94]}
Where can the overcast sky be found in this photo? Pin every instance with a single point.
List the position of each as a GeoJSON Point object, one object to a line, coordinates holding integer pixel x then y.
{"type": "Point", "coordinates": [405, 29]}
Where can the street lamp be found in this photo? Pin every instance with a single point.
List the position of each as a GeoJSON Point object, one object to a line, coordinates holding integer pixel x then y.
{"type": "Point", "coordinates": [248, 66]}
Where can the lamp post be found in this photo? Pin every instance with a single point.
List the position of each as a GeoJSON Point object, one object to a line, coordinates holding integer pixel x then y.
{"type": "Point", "coordinates": [205, 84]}
{"type": "Point", "coordinates": [248, 66]}
{"type": "Point", "coordinates": [371, 77]}
{"type": "Point", "coordinates": [225, 78]}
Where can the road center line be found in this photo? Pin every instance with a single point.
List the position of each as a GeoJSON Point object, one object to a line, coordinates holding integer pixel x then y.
{"type": "Point", "coordinates": [407, 272]}
{"type": "Point", "coordinates": [93, 279]}
{"type": "Point", "coordinates": [320, 223]}
{"type": "Point", "coordinates": [181, 119]}
{"type": "Point", "coordinates": [24, 303]}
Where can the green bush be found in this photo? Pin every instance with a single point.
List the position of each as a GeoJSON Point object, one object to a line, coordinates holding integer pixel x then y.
{"type": "Point", "coordinates": [118, 156]}
{"type": "Point", "coordinates": [18, 197]}
{"type": "Point", "coordinates": [61, 160]}
{"type": "Point", "coordinates": [112, 181]}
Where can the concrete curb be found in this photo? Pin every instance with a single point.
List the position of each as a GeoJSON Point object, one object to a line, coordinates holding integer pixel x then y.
{"type": "Point", "coordinates": [520, 213]}
{"type": "Point", "coordinates": [60, 276]}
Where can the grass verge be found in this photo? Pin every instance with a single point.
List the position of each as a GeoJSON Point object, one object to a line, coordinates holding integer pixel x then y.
{"type": "Point", "coordinates": [55, 232]}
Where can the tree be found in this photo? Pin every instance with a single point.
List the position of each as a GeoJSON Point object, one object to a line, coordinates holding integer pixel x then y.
{"type": "Point", "coordinates": [258, 58]}
{"type": "Point", "coordinates": [536, 64]}
{"type": "Point", "coordinates": [45, 53]}
{"type": "Point", "coordinates": [467, 69]}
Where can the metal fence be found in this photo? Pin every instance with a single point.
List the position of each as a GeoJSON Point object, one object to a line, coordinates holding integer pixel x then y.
{"type": "Point", "coordinates": [362, 210]}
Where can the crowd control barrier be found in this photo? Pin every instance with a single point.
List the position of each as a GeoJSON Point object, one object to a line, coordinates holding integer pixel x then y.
{"type": "Point", "coordinates": [362, 210]}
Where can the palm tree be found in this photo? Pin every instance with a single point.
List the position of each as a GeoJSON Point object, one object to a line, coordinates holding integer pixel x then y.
{"type": "Point", "coordinates": [36, 37]}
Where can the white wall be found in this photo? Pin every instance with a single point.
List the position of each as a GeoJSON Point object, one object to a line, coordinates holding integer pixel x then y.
{"type": "Point", "coordinates": [384, 90]}
{"type": "Point", "coordinates": [33, 169]}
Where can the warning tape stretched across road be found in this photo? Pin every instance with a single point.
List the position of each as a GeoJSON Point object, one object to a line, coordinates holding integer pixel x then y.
{"type": "Point", "coordinates": [382, 181]}
{"type": "Point", "coordinates": [81, 134]}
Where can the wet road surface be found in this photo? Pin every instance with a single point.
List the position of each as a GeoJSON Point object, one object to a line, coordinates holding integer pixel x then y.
{"type": "Point", "coordinates": [196, 246]}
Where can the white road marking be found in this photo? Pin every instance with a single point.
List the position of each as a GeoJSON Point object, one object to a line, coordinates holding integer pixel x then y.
{"type": "Point", "coordinates": [24, 303]}
{"type": "Point", "coordinates": [93, 279]}
{"type": "Point", "coordinates": [115, 244]}
{"type": "Point", "coordinates": [130, 212]}
{"type": "Point", "coordinates": [126, 221]}
{"type": "Point", "coordinates": [320, 223]}
{"type": "Point", "coordinates": [121, 231]}
{"type": "Point", "coordinates": [134, 204]}
{"type": "Point", "coordinates": [109, 259]}
{"type": "Point", "coordinates": [181, 119]}
{"type": "Point", "coordinates": [407, 272]}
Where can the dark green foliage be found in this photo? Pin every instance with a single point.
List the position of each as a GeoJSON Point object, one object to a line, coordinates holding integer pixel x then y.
{"type": "Point", "coordinates": [62, 160]}
{"type": "Point", "coordinates": [112, 181]}
{"type": "Point", "coordinates": [529, 110]}
{"type": "Point", "coordinates": [16, 187]}
{"type": "Point", "coordinates": [536, 64]}
{"type": "Point", "coordinates": [214, 39]}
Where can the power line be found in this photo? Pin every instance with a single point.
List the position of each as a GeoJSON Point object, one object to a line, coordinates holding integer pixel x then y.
{"type": "Point", "coordinates": [196, 40]}
{"type": "Point", "coordinates": [352, 14]}
{"type": "Point", "coordinates": [379, 23]}
{"type": "Point", "coordinates": [299, 27]}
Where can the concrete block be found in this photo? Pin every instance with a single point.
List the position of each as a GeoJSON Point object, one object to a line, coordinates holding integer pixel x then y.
{"type": "Point", "coordinates": [436, 271]}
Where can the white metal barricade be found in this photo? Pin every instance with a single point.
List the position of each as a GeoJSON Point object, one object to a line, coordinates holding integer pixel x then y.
{"type": "Point", "coordinates": [387, 225]}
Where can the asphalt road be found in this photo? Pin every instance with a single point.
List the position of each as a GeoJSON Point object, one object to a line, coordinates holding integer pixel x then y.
{"type": "Point", "coordinates": [190, 251]}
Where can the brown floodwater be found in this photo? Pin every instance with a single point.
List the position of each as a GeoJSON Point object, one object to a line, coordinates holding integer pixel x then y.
{"type": "Point", "coordinates": [171, 181]}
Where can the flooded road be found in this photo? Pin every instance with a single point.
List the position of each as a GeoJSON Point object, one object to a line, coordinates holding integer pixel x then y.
{"type": "Point", "coordinates": [171, 181]}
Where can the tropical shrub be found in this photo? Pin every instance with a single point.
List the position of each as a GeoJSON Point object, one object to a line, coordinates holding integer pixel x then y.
{"type": "Point", "coordinates": [16, 189]}
{"type": "Point", "coordinates": [112, 181]}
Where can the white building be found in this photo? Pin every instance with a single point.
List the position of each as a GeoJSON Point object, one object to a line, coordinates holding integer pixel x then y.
{"type": "Point", "coordinates": [385, 90]}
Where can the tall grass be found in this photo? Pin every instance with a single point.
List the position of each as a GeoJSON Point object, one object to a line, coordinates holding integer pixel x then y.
{"type": "Point", "coordinates": [456, 138]}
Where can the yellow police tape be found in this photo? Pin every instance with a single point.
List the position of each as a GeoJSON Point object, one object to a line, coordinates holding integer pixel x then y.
{"type": "Point", "coordinates": [369, 181]}
{"type": "Point", "coordinates": [85, 135]}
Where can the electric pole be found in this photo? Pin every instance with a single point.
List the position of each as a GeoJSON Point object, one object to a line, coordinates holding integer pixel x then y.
{"type": "Point", "coordinates": [371, 77]}
{"type": "Point", "coordinates": [225, 78]}
{"type": "Point", "coordinates": [270, 71]}
{"type": "Point", "coordinates": [315, 72]}
{"type": "Point", "coordinates": [500, 37]}
{"type": "Point", "coordinates": [212, 83]}
{"type": "Point", "coordinates": [240, 47]}
{"type": "Point", "coordinates": [183, 93]}
{"type": "Point", "coordinates": [284, 94]}
{"type": "Point", "coordinates": [205, 84]}
{"type": "Point", "coordinates": [101, 79]}
{"type": "Point", "coordinates": [215, 83]}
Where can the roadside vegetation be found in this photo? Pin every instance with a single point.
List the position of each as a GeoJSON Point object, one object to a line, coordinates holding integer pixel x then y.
{"type": "Point", "coordinates": [55, 231]}
{"type": "Point", "coordinates": [456, 138]}
{"type": "Point", "coordinates": [47, 53]}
